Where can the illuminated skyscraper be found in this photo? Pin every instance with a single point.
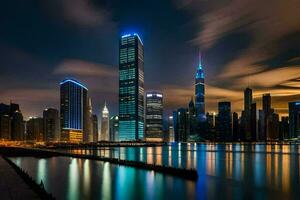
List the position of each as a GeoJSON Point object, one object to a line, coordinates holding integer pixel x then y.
{"type": "Point", "coordinates": [200, 92]}
{"type": "Point", "coordinates": [105, 124]}
{"type": "Point", "coordinates": [73, 110]}
{"type": "Point", "coordinates": [131, 88]}
{"type": "Point", "coordinates": [154, 117]}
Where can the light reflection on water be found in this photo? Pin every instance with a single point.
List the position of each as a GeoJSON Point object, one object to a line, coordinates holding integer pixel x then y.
{"type": "Point", "coordinates": [225, 171]}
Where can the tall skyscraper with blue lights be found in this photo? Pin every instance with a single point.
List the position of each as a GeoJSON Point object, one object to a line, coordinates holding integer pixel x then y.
{"type": "Point", "coordinates": [131, 88]}
{"type": "Point", "coordinates": [200, 92]}
{"type": "Point", "coordinates": [73, 110]}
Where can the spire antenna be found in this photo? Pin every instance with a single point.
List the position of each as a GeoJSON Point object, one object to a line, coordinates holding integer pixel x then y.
{"type": "Point", "coordinates": [200, 58]}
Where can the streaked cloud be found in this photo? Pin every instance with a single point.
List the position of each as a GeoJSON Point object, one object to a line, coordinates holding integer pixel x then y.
{"type": "Point", "coordinates": [79, 12]}
{"type": "Point", "coordinates": [85, 68]}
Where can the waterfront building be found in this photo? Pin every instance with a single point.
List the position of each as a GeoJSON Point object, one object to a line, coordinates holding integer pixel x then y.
{"type": "Point", "coordinates": [131, 88]}
{"type": "Point", "coordinates": [12, 126]}
{"type": "Point", "coordinates": [200, 92]}
{"type": "Point", "coordinates": [95, 128]}
{"type": "Point", "coordinates": [154, 117]}
{"type": "Point", "coordinates": [284, 128]}
{"type": "Point", "coordinates": [171, 136]}
{"type": "Point", "coordinates": [181, 125]}
{"type": "Point", "coordinates": [17, 126]}
{"type": "Point", "coordinates": [35, 129]}
{"type": "Point", "coordinates": [266, 103]}
{"type": "Point", "coordinates": [114, 128]}
{"type": "Point", "coordinates": [261, 126]}
{"type": "Point", "coordinates": [224, 125]}
{"type": "Point", "coordinates": [73, 110]}
{"type": "Point", "coordinates": [294, 119]}
{"type": "Point", "coordinates": [235, 126]}
{"type": "Point", "coordinates": [105, 124]}
{"type": "Point", "coordinates": [51, 125]}
{"type": "Point", "coordinates": [247, 111]}
{"type": "Point", "coordinates": [253, 122]}
{"type": "Point", "coordinates": [273, 126]}
{"type": "Point", "coordinates": [5, 127]}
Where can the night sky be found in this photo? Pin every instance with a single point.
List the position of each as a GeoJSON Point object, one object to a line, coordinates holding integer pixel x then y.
{"type": "Point", "coordinates": [243, 42]}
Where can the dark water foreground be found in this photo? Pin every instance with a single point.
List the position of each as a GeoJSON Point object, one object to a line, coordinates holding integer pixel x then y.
{"type": "Point", "coordinates": [225, 172]}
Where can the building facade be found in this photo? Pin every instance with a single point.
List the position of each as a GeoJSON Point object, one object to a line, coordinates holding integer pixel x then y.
{"type": "Point", "coordinates": [154, 117]}
{"type": "Point", "coordinates": [95, 129]}
{"type": "Point", "coordinates": [35, 129]}
{"type": "Point", "coordinates": [51, 125]}
{"type": "Point", "coordinates": [294, 118]}
{"type": "Point", "coordinates": [131, 88]}
{"type": "Point", "coordinates": [224, 124]}
{"type": "Point", "coordinates": [73, 110]}
{"type": "Point", "coordinates": [105, 124]}
{"type": "Point", "coordinates": [114, 128]}
{"type": "Point", "coordinates": [200, 92]}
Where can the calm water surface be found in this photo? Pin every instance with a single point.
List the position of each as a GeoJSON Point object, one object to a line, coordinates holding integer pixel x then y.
{"type": "Point", "coordinates": [225, 172]}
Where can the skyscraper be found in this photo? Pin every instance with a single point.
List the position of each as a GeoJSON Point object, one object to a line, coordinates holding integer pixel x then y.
{"type": "Point", "coordinates": [200, 92]}
{"type": "Point", "coordinates": [95, 128]}
{"type": "Point", "coordinates": [154, 116]}
{"type": "Point", "coordinates": [224, 121]}
{"type": "Point", "coordinates": [12, 125]}
{"type": "Point", "coordinates": [247, 112]}
{"type": "Point", "coordinates": [73, 110]}
{"type": "Point", "coordinates": [105, 124]}
{"type": "Point", "coordinates": [235, 126]}
{"type": "Point", "coordinates": [35, 129]}
{"type": "Point", "coordinates": [294, 117]}
{"type": "Point", "coordinates": [181, 125]}
{"type": "Point", "coordinates": [114, 128]}
{"type": "Point", "coordinates": [88, 135]}
{"type": "Point", "coordinates": [171, 129]}
{"type": "Point", "coordinates": [51, 125]}
{"type": "Point", "coordinates": [131, 88]}
{"type": "Point", "coordinates": [253, 122]}
{"type": "Point", "coordinates": [266, 102]}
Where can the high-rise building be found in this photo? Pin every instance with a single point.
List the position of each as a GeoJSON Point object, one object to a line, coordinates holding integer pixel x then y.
{"type": "Point", "coordinates": [235, 126]}
{"type": "Point", "coordinates": [154, 117]}
{"type": "Point", "coordinates": [284, 128]}
{"type": "Point", "coordinates": [12, 126]}
{"type": "Point", "coordinates": [294, 118]}
{"type": "Point", "coordinates": [114, 128]}
{"type": "Point", "coordinates": [171, 136]}
{"type": "Point", "coordinates": [51, 125]}
{"type": "Point", "coordinates": [105, 124]}
{"type": "Point", "coordinates": [261, 126]}
{"type": "Point", "coordinates": [247, 112]}
{"type": "Point", "coordinates": [95, 128]}
{"type": "Point", "coordinates": [253, 122]}
{"type": "Point", "coordinates": [224, 125]}
{"type": "Point", "coordinates": [35, 129]}
{"type": "Point", "coordinates": [266, 102]}
{"type": "Point", "coordinates": [181, 125]}
{"type": "Point", "coordinates": [5, 128]}
{"type": "Point", "coordinates": [88, 135]}
{"type": "Point", "coordinates": [131, 88]}
{"type": "Point", "coordinates": [73, 110]}
{"type": "Point", "coordinates": [200, 92]}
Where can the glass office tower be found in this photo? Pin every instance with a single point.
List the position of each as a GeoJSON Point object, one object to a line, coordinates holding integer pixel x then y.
{"type": "Point", "coordinates": [131, 88]}
{"type": "Point", "coordinates": [200, 93]}
{"type": "Point", "coordinates": [73, 110]}
{"type": "Point", "coordinates": [154, 117]}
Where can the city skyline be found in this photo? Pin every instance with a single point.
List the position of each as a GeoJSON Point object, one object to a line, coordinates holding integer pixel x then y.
{"type": "Point", "coordinates": [51, 50]}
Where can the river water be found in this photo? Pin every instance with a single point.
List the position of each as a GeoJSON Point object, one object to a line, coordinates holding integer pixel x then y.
{"type": "Point", "coordinates": [226, 171]}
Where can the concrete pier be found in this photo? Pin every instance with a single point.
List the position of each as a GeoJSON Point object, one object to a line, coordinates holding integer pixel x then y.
{"type": "Point", "coordinates": [12, 185]}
